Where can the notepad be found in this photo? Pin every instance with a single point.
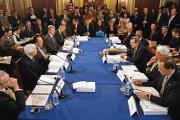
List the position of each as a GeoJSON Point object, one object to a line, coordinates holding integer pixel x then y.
{"type": "Point", "coordinates": [42, 89]}
{"type": "Point", "coordinates": [47, 79]}
{"type": "Point", "coordinates": [37, 100]}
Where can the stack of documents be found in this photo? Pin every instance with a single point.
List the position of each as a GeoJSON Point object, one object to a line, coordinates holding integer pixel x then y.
{"type": "Point", "coordinates": [47, 79]}
{"type": "Point", "coordinates": [54, 66]}
{"type": "Point", "coordinates": [84, 86]}
{"type": "Point", "coordinates": [133, 74]}
{"type": "Point", "coordinates": [115, 40]}
{"type": "Point", "coordinates": [57, 58]}
{"type": "Point", "coordinates": [150, 108]}
{"type": "Point", "coordinates": [114, 59]}
{"type": "Point", "coordinates": [69, 43]}
{"type": "Point", "coordinates": [122, 48]}
{"type": "Point", "coordinates": [149, 90]}
{"type": "Point", "coordinates": [129, 67]}
{"type": "Point", "coordinates": [82, 38]}
{"type": "Point", "coordinates": [62, 55]}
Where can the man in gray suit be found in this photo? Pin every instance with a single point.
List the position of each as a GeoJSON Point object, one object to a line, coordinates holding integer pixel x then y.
{"type": "Point", "coordinates": [50, 41]}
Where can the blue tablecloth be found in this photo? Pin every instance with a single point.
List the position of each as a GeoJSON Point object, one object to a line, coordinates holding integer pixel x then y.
{"type": "Point", "coordinates": [107, 103]}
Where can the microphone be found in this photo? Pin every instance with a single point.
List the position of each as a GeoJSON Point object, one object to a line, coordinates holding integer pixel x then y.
{"type": "Point", "coordinates": [60, 94]}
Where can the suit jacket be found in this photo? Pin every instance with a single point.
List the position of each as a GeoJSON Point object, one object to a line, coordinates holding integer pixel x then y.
{"type": "Point", "coordinates": [136, 22]}
{"type": "Point", "coordinates": [42, 61]}
{"type": "Point", "coordinates": [75, 30]}
{"type": "Point", "coordinates": [175, 43]}
{"type": "Point", "coordinates": [59, 38]}
{"type": "Point", "coordinates": [138, 56]}
{"type": "Point", "coordinates": [9, 109]}
{"type": "Point", "coordinates": [30, 72]}
{"type": "Point", "coordinates": [171, 95]}
{"type": "Point", "coordinates": [165, 40]}
{"type": "Point", "coordinates": [163, 20]}
{"type": "Point", "coordinates": [154, 36]}
{"type": "Point", "coordinates": [109, 31]}
{"type": "Point", "coordinates": [84, 30]}
{"type": "Point", "coordinates": [51, 45]}
{"type": "Point", "coordinates": [42, 31]}
{"type": "Point", "coordinates": [127, 39]}
{"type": "Point", "coordinates": [29, 33]}
{"type": "Point", "coordinates": [174, 23]}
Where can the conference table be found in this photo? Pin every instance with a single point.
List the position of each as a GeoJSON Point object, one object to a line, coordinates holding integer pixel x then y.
{"type": "Point", "coordinates": [106, 103]}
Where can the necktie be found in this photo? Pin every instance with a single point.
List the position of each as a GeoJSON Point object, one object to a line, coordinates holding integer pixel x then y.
{"type": "Point", "coordinates": [163, 85]}
{"type": "Point", "coordinates": [10, 93]}
{"type": "Point", "coordinates": [158, 17]}
{"type": "Point", "coordinates": [134, 52]}
{"type": "Point", "coordinates": [170, 20]}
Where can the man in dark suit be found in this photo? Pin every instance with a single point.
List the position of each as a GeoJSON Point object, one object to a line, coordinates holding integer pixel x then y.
{"type": "Point", "coordinates": [29, 68]}
{"type": "Point", "coordinates": [29, 32]}
{"type": "Point", "coordinates": [154, 35]}
{"type": "Point", "coordinates": [174, 21]}
{"type": "Point", "coordinates": [41, 57]}
{"type": "Point", "coordinates": [87, 28]}
{"type": "Point", "coordinates": [11, 97]}
{"type": "Point", "coordinates": [168, 87]}
{"type": "Point", "coordinates": [60, 35]}
{"type": "Point", "coordinates": [137, 54]}
{"type": "Point", "coordinates": [50, 43]}
{"type": "Point", "coordinates": [75, 27]}
{"type": "Point", "coordinates": [129, 35]}
{"type": "Point", "coordinates": [162, 18]}
{"type": "Point", "coordinates": [136, 20]}
{"type": "Point", "coordinates": [165, 36]}
{"type": "Point", "coordinates": [139, 35]}
{"type": "Point", "coordinates": [145, 23]}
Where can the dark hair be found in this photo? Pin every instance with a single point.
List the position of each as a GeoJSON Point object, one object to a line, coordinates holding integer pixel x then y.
{"type": "Point", "coordinates": [36, 36]}
{"type": "Point", "coordinates": [176, 30]}
{"type": "Point", "coordinates": [6, 30]}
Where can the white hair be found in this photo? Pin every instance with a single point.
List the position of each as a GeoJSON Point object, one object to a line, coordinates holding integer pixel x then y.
{"type": "Point", "coordinates": [163, 50]}
{"type": "Point", "coordinates": [29, 48]}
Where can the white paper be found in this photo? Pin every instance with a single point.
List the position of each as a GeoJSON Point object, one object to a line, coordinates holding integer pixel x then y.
{"type": "Point", "coordinates": [53, 70]}
{"type": "Point", "coordinates": [43, 89]}
{"type": "Point", "coordinates": [68, 43]}
{"type": "Point", "coordinates": [37, 100]}
{"type": "Point", "coordinates": [115, 40]}
{"type": "Point", "coordinates": [56, 64]}
{"type": "Point", "coordinates": [132, 106]}
{"type": "Point", "coordinates": [123, 48]}
{"type": "Point", "coordinates": [47, 79]}
{"type": "Point", "coordinates": [73, 56]}
{"type": "Point", "coordinates": [60, 85]}
{"type": "Point", "coordinates": [104, 59]}
{"type": "Point", "coordinates": [114, 59]}
{"type": "Point", "coordinates": [121, 75]}
{"type": "Point", "coordinates": [150, 108]}
{"type": "Point", "coordinates": [150, 90]}
{"type": "Point", "coordinates": [66, 65]}
{"type": "Point", "coordinates": [84, 86]}
{"type": "Point", "coordinates": [82, 38]}
{"type": "Point", "coordinates": [129, 67]}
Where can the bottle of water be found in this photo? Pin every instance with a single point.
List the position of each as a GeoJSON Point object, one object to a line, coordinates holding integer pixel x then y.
{"type": "Point", "coordinates": [115, 67]}
{"type": "Point", "coordinates": [61, 73]}
{"type": "Point", "coordinates": [55, 98]}
{"type": "Point", "coordinates": [127, 91]}
{"type": "Point", "coordinates": [109, 43]}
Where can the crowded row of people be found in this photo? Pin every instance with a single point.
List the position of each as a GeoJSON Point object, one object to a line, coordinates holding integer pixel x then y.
{"type": "Point", "coordinates": [148, 37]}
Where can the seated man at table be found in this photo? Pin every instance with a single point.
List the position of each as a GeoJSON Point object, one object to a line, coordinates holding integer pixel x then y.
{"type": "Point", "coordinates": [11, 97]}
{"type": "Point", "coordinates": [29, 68]}
{"type": "Point", "coordinates": [152, 66]}
{"type": "Point", "coordinates": [168, 87]}
{"type": "Point", "coordinates": [50, 42]}
{"type": "Point", "coordinates": [136, 54]}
